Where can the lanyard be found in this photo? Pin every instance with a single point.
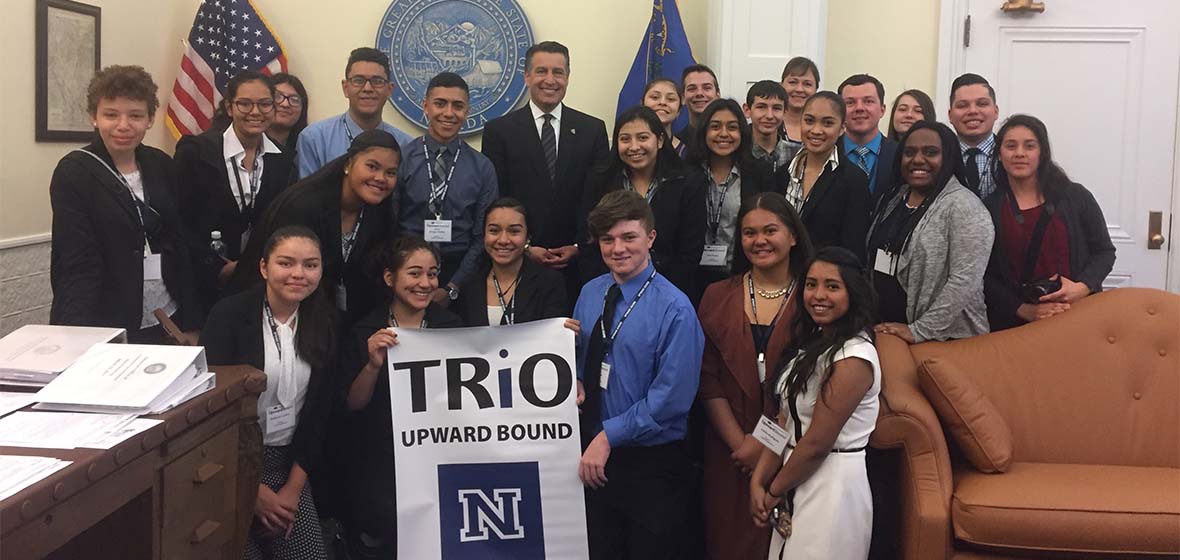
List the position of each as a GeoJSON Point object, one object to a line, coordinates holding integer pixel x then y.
{"type": "Point", "coordinates": [509, 309]}
{"type": "Point", "coordinates": [438, 194]}
{"type": "Point", "coordinates": [607, 342]}
{"type": "Point", "coordinates": [347, 131]}
{"type": "Point", "coordinates": [347, 242]}
{"type": "Point", "coordinates": [651, 187]}
{"type": "Point", "coordinates": [255, 179]}
{"type": "Point", "coordinates": [136, 201]}
{"type": "Point", "coordinates": [764, 340]}
{"type": "Point", "coordinates": [393, 320]}
{"type": "Point", "coordinates": [714, 205]}
{"type": "Point", "coordinates": [274, 327]}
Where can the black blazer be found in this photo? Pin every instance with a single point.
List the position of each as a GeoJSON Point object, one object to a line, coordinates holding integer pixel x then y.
{"type": "Point", "coordinates": [208, 197]}
{"type": "Point", "coordinates": [888, 169]}
{"type": "Point", "coordinates": [235, 333]}
{"type": "Point", "coordinates": [315, 203]}
{"type": "Point", "coordinates": [1091, 253]}
{"type": "Point", "coordinates": [96, 262]}
{"type": "Point", "coordinates": [514, 146]}
{"type": "Point", "coordinates": [369, 463]}
{"type": "Point", "coordinates": [837, 212]}
{"type": "Point", "coordinates": [679, 209]}
{"type": "Point", "coordinates": [540, 294]}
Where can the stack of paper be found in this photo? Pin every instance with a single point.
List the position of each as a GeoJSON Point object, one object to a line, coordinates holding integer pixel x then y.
{"type": "Point", "coordinates": [129, 379]}
{"type": "Point", "coordinates": [18, 472]}
{"type": "Point", "coordinates": [12, 402]}
{"type": "Point", "coordinates": [35, 354]}
{"type": "Point", "coordinates": [70, 430]}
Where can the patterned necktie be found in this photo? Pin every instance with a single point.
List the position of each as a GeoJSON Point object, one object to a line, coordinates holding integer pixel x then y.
{"type": "Point", "coordinates": [440, 176]}
{"type": "Point", "coordinates": [862, 152]}
{"type": "Point", "coordinates": [595, 353]}
{"type": "Point", "coordinates": [549, 143]}
{"type": "Point", "coordinates": [971, 169]}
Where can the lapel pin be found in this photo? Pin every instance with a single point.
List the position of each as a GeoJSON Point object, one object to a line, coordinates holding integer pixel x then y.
{"type": "Point", "coordinates": [573, 131]}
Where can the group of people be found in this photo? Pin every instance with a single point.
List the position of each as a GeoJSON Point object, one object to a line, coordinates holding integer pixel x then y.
{"type": "Point", "coordinates": [740, 267]}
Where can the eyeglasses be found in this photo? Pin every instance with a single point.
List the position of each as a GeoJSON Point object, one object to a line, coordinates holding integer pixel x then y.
{"type": "Point", "coordinates": [246, 105]}
{"type": "Point", "coordinates": [292, 100]}
{"type": "Point", "coordinates": [359, 81]}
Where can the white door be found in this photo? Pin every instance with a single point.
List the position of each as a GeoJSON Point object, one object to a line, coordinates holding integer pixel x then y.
{"type": "Point", "coordinates": [1103, 76]}
{"type": "Point", "coordinates": [752, 40]}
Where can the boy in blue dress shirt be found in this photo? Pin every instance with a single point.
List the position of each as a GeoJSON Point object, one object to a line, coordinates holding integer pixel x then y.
{"type": "Point", "coordinates": [639, 364]}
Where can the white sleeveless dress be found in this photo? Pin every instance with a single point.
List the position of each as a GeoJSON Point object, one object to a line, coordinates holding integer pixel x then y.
{"type": "Point", "coordinates": [833, 516]}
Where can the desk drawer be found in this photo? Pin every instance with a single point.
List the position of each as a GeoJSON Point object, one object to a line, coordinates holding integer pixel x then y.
{"type": "Point", "coordinates": [199, 502]}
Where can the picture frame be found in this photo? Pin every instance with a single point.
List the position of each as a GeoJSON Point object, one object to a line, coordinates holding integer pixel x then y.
{"type": "Point", "coordinates": [68, 37]}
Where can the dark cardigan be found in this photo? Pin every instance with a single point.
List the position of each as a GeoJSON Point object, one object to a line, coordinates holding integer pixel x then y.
{"type": "Point", "coordinates": [540, 294]}
{"type": "Point", "coordinates": [235, 334]}
{"type": "Point", "coordinates": [1091, 253]}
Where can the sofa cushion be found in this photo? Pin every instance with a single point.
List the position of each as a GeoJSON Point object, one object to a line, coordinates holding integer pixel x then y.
{"type": "Point", "coordinates": [972, 419]}
{"type": "Point", "coordinates": [1098, 509]}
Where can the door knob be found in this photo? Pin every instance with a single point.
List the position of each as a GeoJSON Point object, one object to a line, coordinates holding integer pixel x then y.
{"type": "Point", "coordinates": [1155, 230]}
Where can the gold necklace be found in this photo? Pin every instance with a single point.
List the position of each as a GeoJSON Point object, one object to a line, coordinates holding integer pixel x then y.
{"type": "Point", "coordinates": [772, 294]}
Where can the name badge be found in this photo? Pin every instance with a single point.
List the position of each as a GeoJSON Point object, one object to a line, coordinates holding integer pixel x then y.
{"type": "Point", "coordinates": [152, 266]}
{"type": "Point", "coordinates": [714, 255]}
{"type": "Point", "coordinates": [883, 263]}
{"type": "Point", "coordinates": [341, 297]}
{"type": "Point", "coordinates": [279, 418]}
{"type": "Point", "coordinates": [438, 231]}
{"type": "Point", "coordinates": [604, 375]}
{"type": "Point", "coordinates": [770, 434]}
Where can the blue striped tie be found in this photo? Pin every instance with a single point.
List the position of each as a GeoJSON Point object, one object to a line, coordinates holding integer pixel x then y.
{"type": "Point", "coordinates": [549, 143]}
{"type": "Point", "coordinates": [861, 152]}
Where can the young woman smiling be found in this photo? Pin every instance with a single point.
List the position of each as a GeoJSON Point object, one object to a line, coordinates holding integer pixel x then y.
{"type": "Point", "coordinates": [118, 251]}
{"type": "Point", "coordinates": [287, 329]}
{"type": "Point", "coordinates": [801, 80]}
{"type": "Point", "coordinates": [930, 243]}
{"type": "Point", "coordinates": [675, 194]}
{"type": "Point", "coordinates": [830, 194]}
{"type": "Point", "coordinates": [817, 496]}
{"type": "Point", "coordinates": [722, 155]}
{"type": "Point", "coordinates": [1073, 252]}
{"type": "Point", "coordinates": [228, 178]}
{"type": "Point", "coordinates": [662, 95]}
{"type": "Point", "coordinates": [746, 320]}
{"type": "Point", "coordinates": [291, 106]}
{"type": "Point", "coordinates": [911, 106]}
{"type": "Point", "coordinates": [347, 204]}
{"type": "Point", "coordinates": [408, 267]}
{"type": "Point", "coordinates": [510, 288]}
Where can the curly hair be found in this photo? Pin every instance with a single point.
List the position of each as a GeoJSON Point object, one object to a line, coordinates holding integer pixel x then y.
{"type": "Point", "coordinates": [131, 82]}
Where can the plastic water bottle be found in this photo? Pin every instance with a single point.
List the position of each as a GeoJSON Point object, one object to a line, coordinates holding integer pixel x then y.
{"type": "Point", "coordinates": [217, 245]}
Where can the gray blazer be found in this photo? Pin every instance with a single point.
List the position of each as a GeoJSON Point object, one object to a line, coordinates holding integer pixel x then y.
{"type": "Point", "coordinates": [941, 270]}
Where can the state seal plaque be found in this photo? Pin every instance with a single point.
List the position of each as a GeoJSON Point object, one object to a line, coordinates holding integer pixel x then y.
{"type": "Point", "coordinates": [484, 41]}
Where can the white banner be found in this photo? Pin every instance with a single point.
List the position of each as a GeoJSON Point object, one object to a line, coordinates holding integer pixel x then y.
{"type": "Point", "coordinates": [485, 429]}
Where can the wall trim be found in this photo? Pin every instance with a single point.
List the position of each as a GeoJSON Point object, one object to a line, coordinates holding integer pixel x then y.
{"type": "Point", "coordinates": [952, 55]}
{"type": "Point", "coordinates": [14, 242]}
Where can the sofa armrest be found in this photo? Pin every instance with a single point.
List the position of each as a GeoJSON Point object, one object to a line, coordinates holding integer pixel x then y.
{"type": "Point", "coordinates": [907, 420]}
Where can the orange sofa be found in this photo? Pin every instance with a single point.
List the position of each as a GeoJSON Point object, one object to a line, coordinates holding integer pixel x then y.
{"type": "Point", "coordinates": [1060, 438]}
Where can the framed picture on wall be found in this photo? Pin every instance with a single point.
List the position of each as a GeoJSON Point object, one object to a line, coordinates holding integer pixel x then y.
{"type": "Point", "coordinates": [68, 41]}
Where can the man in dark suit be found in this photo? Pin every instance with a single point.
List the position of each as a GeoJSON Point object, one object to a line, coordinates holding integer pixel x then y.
{"type": "Point", "coordinates": [865, 146]}
{"type": "Point", "coordinates": [543, 153]}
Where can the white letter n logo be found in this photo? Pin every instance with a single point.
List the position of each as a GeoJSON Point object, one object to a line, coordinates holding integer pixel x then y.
{"type": "Point", "coordinates": [501, 515]}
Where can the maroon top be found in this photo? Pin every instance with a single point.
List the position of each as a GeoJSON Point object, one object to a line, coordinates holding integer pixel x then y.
{"type": "Point", "coordinates": [1054, 256]}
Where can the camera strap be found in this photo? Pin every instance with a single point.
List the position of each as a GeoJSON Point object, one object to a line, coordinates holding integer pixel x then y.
{"type": "Point", "coordinates": [1038, 237]}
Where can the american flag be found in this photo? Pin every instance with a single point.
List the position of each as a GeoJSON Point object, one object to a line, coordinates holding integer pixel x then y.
{"type": "Point", "coordinates": [228, 36]}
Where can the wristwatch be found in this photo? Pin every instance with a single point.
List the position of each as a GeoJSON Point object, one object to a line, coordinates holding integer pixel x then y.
{"type": "Point", "coordinates": [452, 292]}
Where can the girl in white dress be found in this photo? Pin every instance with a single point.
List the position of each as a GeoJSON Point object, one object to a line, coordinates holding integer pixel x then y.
{"type": "Point", "coordinates": [817, 496]}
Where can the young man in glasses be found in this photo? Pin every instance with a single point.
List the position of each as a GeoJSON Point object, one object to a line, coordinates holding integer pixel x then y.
{"type": "Point", "coordinates": [366, 85]}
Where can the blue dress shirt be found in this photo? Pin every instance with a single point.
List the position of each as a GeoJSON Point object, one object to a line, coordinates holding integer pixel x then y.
{"type": "Point", "coordinates": [870, 159]}
{"type": "Point", "coordinates": [328, 139]}
{"type": "Point", "coordinates": [655, 360]}
{"type": "Point", "coordinates": [473, 188]}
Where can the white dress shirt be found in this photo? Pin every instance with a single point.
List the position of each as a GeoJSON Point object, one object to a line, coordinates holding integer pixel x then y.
{"type": "Point", "coordinates": [539, 120]}
{"type": "Point", "coordinates": [286, 379]}
{"type": "Point", "coordinates": [235, 164]}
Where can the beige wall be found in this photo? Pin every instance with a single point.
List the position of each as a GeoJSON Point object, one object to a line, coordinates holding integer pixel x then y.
{"type": "Point", "coordinates": [896, 41]}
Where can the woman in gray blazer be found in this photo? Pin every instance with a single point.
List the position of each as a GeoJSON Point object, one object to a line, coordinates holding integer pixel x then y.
{"type": "Point", "coordinates": [929, 244]}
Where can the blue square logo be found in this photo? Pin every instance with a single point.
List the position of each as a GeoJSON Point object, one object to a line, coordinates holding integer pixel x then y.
{"type": "Point", "coordinates": [491, 510]}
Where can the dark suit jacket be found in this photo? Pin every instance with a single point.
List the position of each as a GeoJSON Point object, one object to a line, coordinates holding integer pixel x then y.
{"type": "Point", "coordinates": [96, 262]}
{"type": "Point", "coordinates": [315, 203]}
{"type": "Point", "coordinates": [838, 210]}
{"type": "Point", "coordinates": [1091, 253]}
{"type": "Point", "coordinates": [235, 333]}
{"type": "Point", "coordinates": [370, 481]}
{"type": "Point", "coordinates": [513, 145]}
{"type": "Point", "coordinates": [208, 197]}
{"type": "Point", "coordinates": [888, 171]}
{"type": "Point", "coordinates": [679, 209]}
{"type": "Point", "coordinates": [540, 294]}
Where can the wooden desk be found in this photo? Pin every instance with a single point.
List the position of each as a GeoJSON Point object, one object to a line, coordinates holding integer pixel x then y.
{"type": "Point", "coordinates": [183, 489]}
